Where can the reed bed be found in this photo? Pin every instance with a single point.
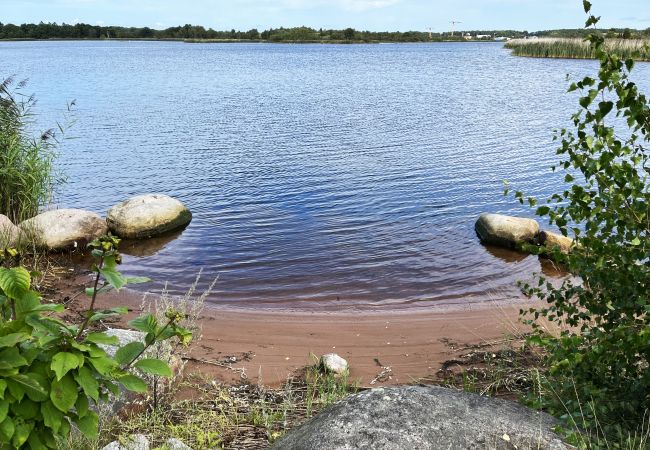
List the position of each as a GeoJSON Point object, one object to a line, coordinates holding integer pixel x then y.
{"type": "Point", "coordinates": [637, 49]}
{"type": "Point", "coordinates": [27, 174]}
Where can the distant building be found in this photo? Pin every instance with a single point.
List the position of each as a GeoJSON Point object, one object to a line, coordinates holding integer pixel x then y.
{"type": "Point", "coordinates": [468, 36]}
{"type": "Point", "coordinates": [483, 36]}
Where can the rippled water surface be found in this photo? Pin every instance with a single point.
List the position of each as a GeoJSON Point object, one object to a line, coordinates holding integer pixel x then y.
{"type": "Point", "coordinates": [320, 176]}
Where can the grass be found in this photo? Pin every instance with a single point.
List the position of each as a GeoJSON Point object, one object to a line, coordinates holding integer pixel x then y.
{"type": "Point", "coordinates": [578, 48]}
{"type": "Point", "coordinates": [205, 414]}
{"type": "Point", "coordinates": [26, 163]}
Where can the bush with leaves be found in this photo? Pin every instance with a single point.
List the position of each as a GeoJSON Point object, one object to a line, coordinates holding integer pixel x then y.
{"type": "Point", "coordinates": [52, 372]}
{"type": "Point", "coordinates": [599, 370]}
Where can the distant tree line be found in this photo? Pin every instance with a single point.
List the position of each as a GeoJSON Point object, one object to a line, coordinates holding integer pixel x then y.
{"type": "Point", "coordinates": [298, 34]}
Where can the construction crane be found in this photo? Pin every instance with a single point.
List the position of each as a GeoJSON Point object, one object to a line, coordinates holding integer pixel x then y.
{"type": "Point", "coordinates": [453, 25]}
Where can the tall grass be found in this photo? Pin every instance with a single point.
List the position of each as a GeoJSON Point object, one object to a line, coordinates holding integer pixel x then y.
{"type": "Point", "coordinates": [578, 48]}
{"type": "Point", "coordinates": [27, 174]}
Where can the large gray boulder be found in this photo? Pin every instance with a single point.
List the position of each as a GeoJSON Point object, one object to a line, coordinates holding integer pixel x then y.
{"type": "Point", "coordinates": [147, 215]}
{"type": "Point", "coordinates": [424, 417]}
{"type": "Point", "coordinates": [505, 231]}
{"type": "Point", "coordinates": [8, 232]}
{"type": "Point", "coordinates": [62, 229]}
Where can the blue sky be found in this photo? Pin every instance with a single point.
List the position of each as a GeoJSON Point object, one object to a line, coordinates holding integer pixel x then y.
{"type": "Point", "coordinates": [373, 15]}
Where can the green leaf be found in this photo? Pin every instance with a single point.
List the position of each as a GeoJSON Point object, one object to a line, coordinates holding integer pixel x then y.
{"type": "Point", "coordinates": [133, 383]}
{"type": "Point", "coordinates": [21, 433]}
{"type": "Point", "coordinates": [586, 4]}
{"type": "Point", "coordinates": [7, 429]}
{"type": "Point", "coordinates": [15, 282]}
{"type": "Point", "coordinates": [126, 354]}
{"type": "Point", "coordinates": [146, 323]}
{"type": "Point", "coordinates": [63, 362]}
{"type": "Point", "coordinates": [103, 364]}
{"type": "Point", "coordinates": [11, 357]}
{"type": "Point", "coordinates": [64, 393]}
{"type": "Point", "coordinates": [137, 280]}
{"type": "Point", "coordinates": [635, 242]}
{"type": "Point", "coordinates": [4, 409]}
{"type": "Point", "coordinates": [113, 277]}
{"type": "Point", "coordinates": [12, 339]}
{"type": "Point", "coordinates": [19, 385]}
{"type": "Point", "coordinates": [27, 304]}
{"type": "Point", "coordinates": [102, 338]}
{"type": "Point", "coordinates": [52, 417]}
{"type": "Point", "coordinates": [89, 425]}
{"type": "Point", "coordinates": [88, 383]}
{"type": "Point", "coordinates": [154, 367]}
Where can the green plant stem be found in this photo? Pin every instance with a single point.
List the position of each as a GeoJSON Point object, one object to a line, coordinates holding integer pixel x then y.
{"type": "Point", "coordinates": [91, 309]}
{"type": "Point", "coordinates": [147, 346]}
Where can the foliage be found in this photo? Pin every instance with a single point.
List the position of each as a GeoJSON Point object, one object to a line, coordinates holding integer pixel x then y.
{"type": "Point", "coordinates": [26, 164]}
{"type": "Point", "coordinates": [52, 372]}
{"type": "Point", "coordinates": [578, 48]}
{"type": "Point", "coordinates": [599, 372]}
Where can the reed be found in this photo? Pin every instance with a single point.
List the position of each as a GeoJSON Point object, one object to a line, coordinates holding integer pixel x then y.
{"type": "Point", "coordinates": [27, 174]}
{"type": "Point", "coordinates": [578, 48]}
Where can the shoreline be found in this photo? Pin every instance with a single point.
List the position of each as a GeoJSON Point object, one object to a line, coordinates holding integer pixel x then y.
{"type": "Point", "coordinates": [266, 347]}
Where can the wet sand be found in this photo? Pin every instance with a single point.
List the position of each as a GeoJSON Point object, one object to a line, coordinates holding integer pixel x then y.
{"type": "Point", "coordinates": [268, 347]}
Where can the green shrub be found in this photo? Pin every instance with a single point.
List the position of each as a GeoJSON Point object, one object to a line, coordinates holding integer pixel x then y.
{"type": "Point", "coordinates": [26, 163]}
{"type": "Point", "coordinates": [52, 372]}
{"type": "Point", "coordinates": [599, 370]}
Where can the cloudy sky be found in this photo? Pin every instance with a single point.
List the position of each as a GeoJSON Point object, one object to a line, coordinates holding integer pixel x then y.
{"type": "Point", "coordinates": [360, 14]}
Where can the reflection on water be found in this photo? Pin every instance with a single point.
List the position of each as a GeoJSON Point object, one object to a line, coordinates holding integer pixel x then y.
{"type": "Point", "coordinates": [319, 176]}
{"type": "Point", "coordinates": [148, 247]}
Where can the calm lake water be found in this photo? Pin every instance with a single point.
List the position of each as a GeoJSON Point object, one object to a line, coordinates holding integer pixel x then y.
{"type": "Point", "coordinates": [323, 177]}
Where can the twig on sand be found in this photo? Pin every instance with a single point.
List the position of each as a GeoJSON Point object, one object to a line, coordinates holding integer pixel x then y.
{"type": "Point", "coordinates": [226, 365]}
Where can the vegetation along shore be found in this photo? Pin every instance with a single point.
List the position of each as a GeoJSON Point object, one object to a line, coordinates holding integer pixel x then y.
{"type": "Point", "coordinates": [638, 49]}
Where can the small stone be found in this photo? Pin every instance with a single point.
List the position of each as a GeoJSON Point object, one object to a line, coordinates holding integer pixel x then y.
{"type": "Point", "coordinates": [134, 442]}
{"type": "Point", "coordinates": [137, 442]}
{"type": "Point", "coordinates": [177, 444]}
{"type": "Point", "coordinates": [334, 363]}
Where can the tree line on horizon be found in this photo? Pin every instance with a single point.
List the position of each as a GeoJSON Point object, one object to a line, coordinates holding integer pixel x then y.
{"type": "Point", "coordinates": [44, 30]}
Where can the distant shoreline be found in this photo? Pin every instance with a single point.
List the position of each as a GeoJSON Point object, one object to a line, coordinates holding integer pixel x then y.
{"type": "Point", "coordinates": [243, 41]}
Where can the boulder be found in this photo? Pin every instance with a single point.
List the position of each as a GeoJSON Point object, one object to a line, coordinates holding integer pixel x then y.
{"type": "Point", "coordinates": [333, 363]}
{"type": "Point", "coordinates": [8, 232]}
{"type": "Point", "coordinates": [424, 417]}
{"type": "Point", "coordinates": [62, 229]}
{"type": "Point", "coordinates": [552, 240]}
{"type": "Point", "coordinates": [505, 231]}
{"type": "Point", "coordinates": [147, 215]}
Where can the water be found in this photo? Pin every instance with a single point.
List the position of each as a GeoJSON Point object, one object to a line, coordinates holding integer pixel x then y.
{"type": "Point", "coordinates": [322, 177]}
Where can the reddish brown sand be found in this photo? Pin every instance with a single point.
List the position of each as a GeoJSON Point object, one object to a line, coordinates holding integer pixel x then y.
{"type": "Point", "coordinates": [271, 346]}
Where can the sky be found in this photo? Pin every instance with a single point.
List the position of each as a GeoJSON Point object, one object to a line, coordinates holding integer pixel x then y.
{"type": "Point", "coordinates": [374, 15]}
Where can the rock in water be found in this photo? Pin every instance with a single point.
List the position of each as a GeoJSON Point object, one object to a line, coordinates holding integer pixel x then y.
{"type": "Point", "coordinates": [8, 232]}
{"type": "Point", "coordinates": [424, 417]}
{"type": "Point", "coordinates": [62, 229]}
{"type": "Point", "coordinates": [505, 231]}
{"type": "Point", "coordinates": [333, 363]}
{"type": "Point", "coordinates": [552, 240]}
{"type": "Point", "coordinates": [147, 215]}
